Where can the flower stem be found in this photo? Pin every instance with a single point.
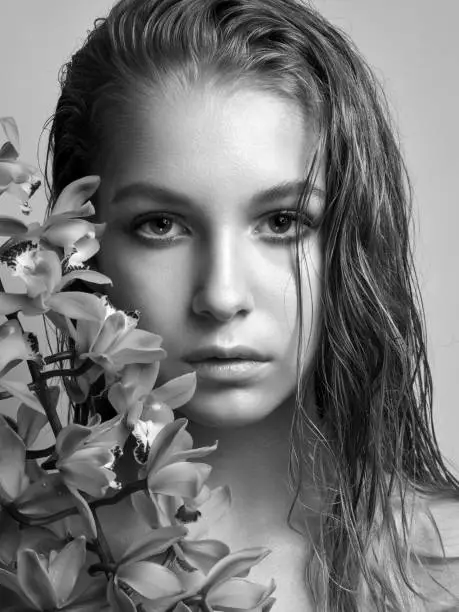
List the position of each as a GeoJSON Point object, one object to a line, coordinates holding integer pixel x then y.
{"type": "Point", "coordinates": [39, 453]}
{"type": "Point", "coordinates": [42, 392]}
{"type": "Point", "coordinates": [129, 489]}
{"type": "Point", "coordinates": [82, 369]}
{"type": "Point", "coordinates": [102, 547]}
{"type": "Point", "coordinates": [200, 601]}
{"type": "Point", "coordinates": [59, 357]}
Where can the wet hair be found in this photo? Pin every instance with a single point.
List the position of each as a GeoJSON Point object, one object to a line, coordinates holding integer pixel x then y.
{"type": "Point", "coordinates": [375, 441]}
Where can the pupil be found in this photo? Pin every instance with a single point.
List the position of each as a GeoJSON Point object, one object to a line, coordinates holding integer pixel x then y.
{"type": "Point", "coordinates": [163, 224]}
{"type": "Point", "coordinates": [285, 221]}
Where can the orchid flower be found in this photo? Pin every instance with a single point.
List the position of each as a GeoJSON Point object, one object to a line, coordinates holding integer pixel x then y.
{"type": "Point", "coordinates": [222, 588]}
{"type": "Point", "coordinates": [142, 578]}
{"type": "Point", "coordinates": [85, 458]}
{"type": "Point", "coordinates": [15, 474]}
{"type": "Point", "coordinates": [85, 455]}
{"type": "Point", "coordinates": [68, 229]}
{"type": "Point", "coordinates": [16, 177]}
{"type": "Point", "coordinates": [15, 348]}
{"type": "Point", "coordinates": [148, 410]}
{"type": "Point", "coordinates": [40, 269]}
{"type": "Point", "coordinates": [112, 342]}
{"type": "Point", "coordinates": [50, 582]}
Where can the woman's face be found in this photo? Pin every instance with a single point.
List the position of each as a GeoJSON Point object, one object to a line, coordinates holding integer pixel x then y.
{"type": "Point", "coordinates": [196, 241]}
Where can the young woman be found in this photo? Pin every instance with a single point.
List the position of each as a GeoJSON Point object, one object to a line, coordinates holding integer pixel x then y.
{"type": "Point", "coordinates": [257, 211]}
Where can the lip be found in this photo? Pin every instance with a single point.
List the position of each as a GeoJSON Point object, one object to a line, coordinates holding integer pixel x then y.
{"type": "Point", "coordinates": [240, 352]}
{"type": "Point", "coordinates": [230, 370]}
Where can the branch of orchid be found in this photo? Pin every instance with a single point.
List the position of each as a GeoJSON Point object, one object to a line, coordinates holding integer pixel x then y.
{"type": "Point", "coordinates": [101, 544]}
{"type": "Point", "coordinates": [33, 386]}
{"type": "Point", "coordinates": [59, 357]}
{"type": "Point", "coordinates": [74, 372]}
{"type": "Point", "coordinates": [31, 521]}
{"type": "Point", "coordinates": [41, 390]}
{"type": "Point", "coordinates": [40, 453]}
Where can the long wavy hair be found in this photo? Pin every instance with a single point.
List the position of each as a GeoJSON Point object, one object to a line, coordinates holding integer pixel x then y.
{"type": "Point", "coordinates": [375, 441]}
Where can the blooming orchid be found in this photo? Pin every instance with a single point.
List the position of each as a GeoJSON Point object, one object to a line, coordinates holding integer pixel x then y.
{"type": "Point", "coordinates": [145, 578]}
{"type": "Point", "coordinates": [111, 517]}
{"type": "Point", "coordinates": [16, 177]}
{"type": "Point", "coordinates": [85, 458]}
{"type": "Point", "coordinates": [148, 410]}
{"type": "Point", "coordinates": [40, 270]}
{"type": "Point", "coordinates": [15, 348]}
{"type": "Point", "coordinates": [112, 342]}
{"type": "Point", "coordinates": [67, 230]}
{"type": "Point", "coordinates": [50, 582]}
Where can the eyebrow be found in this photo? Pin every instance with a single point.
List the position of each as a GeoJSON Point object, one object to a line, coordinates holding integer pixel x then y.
{"type": "Point", "coordinates": [175, 198]}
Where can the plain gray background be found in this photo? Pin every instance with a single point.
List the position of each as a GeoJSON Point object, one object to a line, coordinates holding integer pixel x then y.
{"type": "Point", "coordinates": [413, 48]}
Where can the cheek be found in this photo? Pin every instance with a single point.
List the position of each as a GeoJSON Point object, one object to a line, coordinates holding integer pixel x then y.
{"type": "Point", "coordinates": [155, 286]}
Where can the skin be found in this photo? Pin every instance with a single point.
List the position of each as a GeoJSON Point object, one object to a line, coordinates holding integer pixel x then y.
{"type": "Point", "coordinates": [221, 281]}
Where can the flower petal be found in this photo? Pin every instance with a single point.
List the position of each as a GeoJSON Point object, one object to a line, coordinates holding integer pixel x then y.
{"type": "Point", "coordinates": [34, 580]}
{"type": "Point", "coordinates": [76, 193]}
{"type": "Point", "coordinates": [9, 226]}
{"type": "Point", "coordinates": [13, 345]}
{"type": "Point", "coordinates": [10, 129]}
{"type": "Point", "coordinates": [31, 422]}
{"type": "Point", "coordinates": [10, 537]}
{"type": "Point", "coordinates": [85, 248]}
{"type": "Point", "coordinates": [119, 601]}
{"type": "Point", "coordinates": [177, 391]}
{"type": "Point", "coordinates": [45, 496]}
{"type": "Point", "coordinates": [90, 276]}
{"type": "Point", "coordinates": [70, 437]}
{"type": "Point", "coordinates": [39, 269]}
{"type": "Point", "coordinates": [12, 302]}
{"type": "Point", "coordinates": [139, 346]}
{"type": "Point", "coordinates": [11, 582]}
{"type": "Point", "coordinates": [14, 171]}
{"type": "Point", "coordinates": [195, 453]}
{"type": "Point", "coordinates": [146, 507]}
{"type": "Point", "coordinates": [204, 553]}
{"type": "Point", "coordinates": [21, 391]}
{"type": "Point", "coordinates": [158, 541]}
{"type": "Point", "coordinates": [116, 325]}
{"type": "Point", "coordinates": [87, 210]}
{"type": "Point", "coordinates": [65, 568]}
{"type": "Point", "coordinates": [88, 478]}
{"type": "Point", "coordinates": [239, 593]}
{"type": "Point", "coordinates": [164, 444]}
{"type": "Point", "coordinates": [233, 564]}
{"type": "Point", "coordinates": [183, 479]}
{"type": "Point", "coordinates": [64, 232]}
{"type": "Point", "coordinates": [75, 305]}
{"type": "Point", "coordinates": [150, 579]}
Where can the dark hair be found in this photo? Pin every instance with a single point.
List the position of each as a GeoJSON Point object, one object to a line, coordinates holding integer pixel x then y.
{"type": "Point", "coordinates": [371, 374]}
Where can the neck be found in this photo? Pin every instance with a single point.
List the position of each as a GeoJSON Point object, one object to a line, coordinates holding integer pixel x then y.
{"type": "Point", "coordinates": [253, 461]}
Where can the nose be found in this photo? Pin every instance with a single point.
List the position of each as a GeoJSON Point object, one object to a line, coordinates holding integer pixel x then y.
{"type": "Point", "coordinates": [223, 290]}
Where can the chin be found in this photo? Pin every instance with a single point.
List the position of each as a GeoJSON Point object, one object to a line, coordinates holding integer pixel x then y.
{"type": "Point", "coordinates": [220, 416]}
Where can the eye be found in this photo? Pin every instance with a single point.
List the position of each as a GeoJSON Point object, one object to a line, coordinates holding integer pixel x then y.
{"type": "Point", "coordinates": [157, 227]}
{"type": "Point", "coordinates": [282, 223]}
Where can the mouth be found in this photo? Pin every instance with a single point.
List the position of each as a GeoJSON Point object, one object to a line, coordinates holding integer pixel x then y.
{"type": "Point", "coordinates": [230, 370]}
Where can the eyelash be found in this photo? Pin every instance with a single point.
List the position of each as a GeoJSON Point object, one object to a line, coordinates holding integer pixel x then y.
{"type": "Point", "coordinates": [289, 214]}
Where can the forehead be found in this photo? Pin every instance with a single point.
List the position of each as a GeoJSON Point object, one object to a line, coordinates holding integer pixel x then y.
{"type": "Point", "coordinates": [209, 142]}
